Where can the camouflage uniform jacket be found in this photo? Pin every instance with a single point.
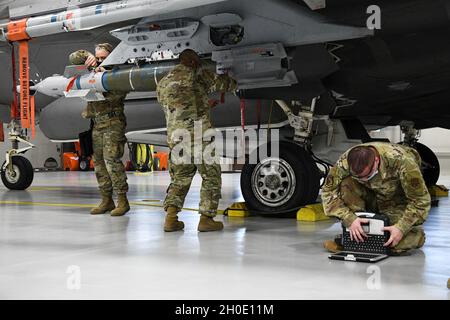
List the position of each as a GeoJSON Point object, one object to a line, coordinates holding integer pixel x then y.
{"type": "Point", "coordinates": [105, 113]}
{"type": "Point", "coordinates": [108, 112]}
{"type": "Point", "coordinates": [183, 94]}
{"type": "Point", "coordinates": [399, 187]}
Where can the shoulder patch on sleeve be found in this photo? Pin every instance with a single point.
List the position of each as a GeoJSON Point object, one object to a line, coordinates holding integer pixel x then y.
{"type": "Point", "coordinates": [415, 182]}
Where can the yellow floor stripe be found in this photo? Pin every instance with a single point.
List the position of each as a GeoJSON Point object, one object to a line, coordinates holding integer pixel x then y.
{"type": "Point", "coordinates": [44, 189]}
{"type": "Point", "coordinates": [74, 205]}
{"type": "Point", "coordinates": [147, 205]}
{"type": "Point", "coordinates": [143, 173]}
{"type": "Point", "coordinates": [48, 204]}
{"type": "Point", "coordinates": [158, 206]}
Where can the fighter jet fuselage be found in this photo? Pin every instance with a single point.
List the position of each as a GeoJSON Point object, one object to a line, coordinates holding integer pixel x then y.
{"type": "Point", "coordinates": [315, 69]}
{"type": "Point", "coordinates": [387, 75]}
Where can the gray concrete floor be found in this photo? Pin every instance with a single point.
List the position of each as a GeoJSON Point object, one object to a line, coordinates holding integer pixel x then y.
{"type": "Point", "coordinates": [51, 248]}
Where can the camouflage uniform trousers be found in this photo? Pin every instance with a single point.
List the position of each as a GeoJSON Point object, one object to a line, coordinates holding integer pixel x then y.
{"type": "Point", "coordinates": [181, 178]}
{"type": "Point", "coordinates": [108, 144]}
{"type": "Point", "coordinates": [361, 199]}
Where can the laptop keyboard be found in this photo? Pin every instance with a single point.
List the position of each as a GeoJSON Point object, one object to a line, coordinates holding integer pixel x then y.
{"type": "Point", "coordinates": [373, 244]}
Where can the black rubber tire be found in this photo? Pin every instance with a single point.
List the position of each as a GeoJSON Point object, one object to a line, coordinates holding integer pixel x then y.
{"type": "Point", "coordinates": [307, 187]}
{"type": "Point", "coordinates": [84, 164]}
{"type": "Point", "coordinates": [431, 168]}
{"type": "Point", "coordinates": [26, 174]}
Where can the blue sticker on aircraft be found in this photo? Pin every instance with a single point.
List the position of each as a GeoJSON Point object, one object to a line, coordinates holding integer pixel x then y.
{"type": "Point", "coordinates": [98, 9]}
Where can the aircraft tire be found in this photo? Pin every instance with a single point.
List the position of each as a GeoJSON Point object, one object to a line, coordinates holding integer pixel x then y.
{"type": "Point", "coordinates": [431, 168]}
{"type": "Point", "coordinates": [281, 192]}
{"type": "Point", "coordinates": [84, 164]}
{"type": "Point", "coordinates": [24, 174]}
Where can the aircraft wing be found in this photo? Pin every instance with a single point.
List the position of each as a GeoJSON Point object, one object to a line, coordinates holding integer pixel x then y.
{"type": "Point", "coordinates": [249, 39]}
{"type": "Point", "coordinates": [237, 34]}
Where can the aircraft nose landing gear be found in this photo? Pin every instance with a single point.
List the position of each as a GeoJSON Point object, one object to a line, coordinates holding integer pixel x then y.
{"type": "Point", "coordinates": [17, 172]}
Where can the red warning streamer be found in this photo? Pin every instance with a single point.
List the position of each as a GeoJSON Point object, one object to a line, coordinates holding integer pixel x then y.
{"type": "Point", "coordinates": [32, 118]}
{"type": "Point", "coordinates": [243, 142]}
{"type": "Point", "coordinates": [258, 113]}
{"type": "Point", "coordinates": [17, 33]}
{"type": "Point", "coordinates": [24, 84]}
{"type": "Point", "coordinates": [2, 135]}
{"type": "Point", "coordinates": [243, 114]}
{"type": "Point", "coordinates": [15, 103]}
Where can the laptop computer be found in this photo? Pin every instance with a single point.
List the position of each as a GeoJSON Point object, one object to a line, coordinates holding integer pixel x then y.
{"type": "Point", "coordinates": [372, 249]}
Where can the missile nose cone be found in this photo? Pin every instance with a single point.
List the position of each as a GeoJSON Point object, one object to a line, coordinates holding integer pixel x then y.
{"type": "Point", "coordinates": [53, 86]}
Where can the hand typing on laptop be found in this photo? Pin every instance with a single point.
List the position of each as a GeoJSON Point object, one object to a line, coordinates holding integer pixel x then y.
{"type": "Point", "coordinates": [365, 239]}
{"type": "Point", "coordinates": [356, 230]}
{"type": "Point", "coordinates": [395, 238]}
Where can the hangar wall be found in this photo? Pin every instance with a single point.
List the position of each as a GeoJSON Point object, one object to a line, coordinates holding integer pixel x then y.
{"type": "Point", "coordinates": [438, 140]}
{"type": "Point", "coordinates": [4, 113]}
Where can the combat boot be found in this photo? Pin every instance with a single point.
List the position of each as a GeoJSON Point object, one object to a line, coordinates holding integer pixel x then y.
{"type": "Point", "coordinates": [122, 206]}
{"type": "Point", "coordinates": [106, 205]}
{"type": "Point", "coordinates": [172, 224]}
{"type": "Point", "coordinates": [334, 246]}
{"type": "Point", "coordinates": [207, 224]}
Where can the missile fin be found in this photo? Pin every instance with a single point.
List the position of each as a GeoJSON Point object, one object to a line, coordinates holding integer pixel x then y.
{"type": "Point", "coordinates": [87, 95]}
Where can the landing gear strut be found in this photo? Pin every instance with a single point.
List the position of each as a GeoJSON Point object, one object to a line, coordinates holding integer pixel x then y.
{"type": "Point", "coordinates": [282, 183]}
{"type": "Point", "coordinates": [17, 172]}
{"type": "Point", "coordinates": [430, 164]}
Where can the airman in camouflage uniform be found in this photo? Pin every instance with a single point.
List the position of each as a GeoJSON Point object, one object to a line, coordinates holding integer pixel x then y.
{"type": "Point", "coordinates": [108, 138]}
{"type": "Point", "coordinates": [183, 94]}
{"type": "Point", "coordinates": [396, 189]}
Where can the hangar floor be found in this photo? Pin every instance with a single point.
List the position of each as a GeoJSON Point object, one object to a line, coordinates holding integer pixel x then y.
{"type": "Point", "coordinates": [48, 240]}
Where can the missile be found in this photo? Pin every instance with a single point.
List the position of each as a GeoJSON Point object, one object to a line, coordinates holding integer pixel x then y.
{"type": "Point", "coordinates": [95, 16]}
{"type": "Point", "coordinates": [52, 86]}
{"type": "Point", "coordinates": [77, 81]}
{"type": "Point", "coordinates": [91, 85]}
